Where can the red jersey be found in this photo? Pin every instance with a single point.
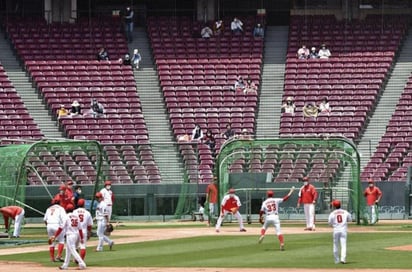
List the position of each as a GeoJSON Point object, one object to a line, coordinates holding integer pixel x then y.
{"type": "Point", "coordinates": [63, 199]}
{"type": "Point", "coordinates": [211, 192]}
{"type": "Point", "coordinates": [229, 202]}
{"type": "Point", "coordinates": [307, 194]}
{"type": "Point", "coordinates": [372, 194]}
{"type": "Point", "coordinates": [10, 212]}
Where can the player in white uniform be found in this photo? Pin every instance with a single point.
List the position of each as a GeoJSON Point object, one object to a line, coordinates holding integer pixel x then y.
{"type": "Point", "coordinates": [73, 233]}
{"type": "Point", "coordinates": [339, 219]}
{"type": "Point", "coordinates": [108, 197]}
{"type": "Point", "coordinates": [54, 218]}
{"type": "Point", "coordinates": [86, 223]}
{"type": "Point", "coordinates": [270, 207]}
{"type": "Point", "coordinates": [102, 219]}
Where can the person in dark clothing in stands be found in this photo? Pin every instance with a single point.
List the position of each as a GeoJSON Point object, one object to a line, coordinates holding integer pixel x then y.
{"type": "Point", "coordinates": [102, 54]}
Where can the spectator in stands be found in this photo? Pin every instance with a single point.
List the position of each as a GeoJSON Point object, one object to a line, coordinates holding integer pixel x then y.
{"type": "Point", "coordinates": [210, 141]}
{"type": "Point", "coordinates": [197, 133]}
{"type": "Point", "coordinates": [289, 106]}
{"type": "Point", "coordinates": [250, 86]}
{"type": "Point", "coordinates": [245, 135]}
{"type": "Point", "coordinates": [258, 31]}
{"type": "Point", "coordinates": [229, 132]}
{"type": "Point", "coordinates": [236, 26]}
{"type": "Point", "coordinates": [313, 53]}
{"type": "Point", "coordinates": [324, 106]}
{"type": "Point", "coordinates": [76, 108]}
{"type": "Point", "coordinates": [126, 60]}
{"type": "Point", "coordinates": [218, 27]}
{"type": "Point", "coordinates": [239, 85]}
{"type": "Point", "coordinates": [102, 54]}
{"type": "Point", "coordinates": [129, 21]}
{"type": "Point", "coordinates": [136, 59]}
{"type": "Point", "coordinates": [97, 108]}
{"type": "Point", "coordinates": [310, 110]}
{"type": "Point", "coordinates": [62, 112]}
{"type": "Point", "coordinates": [324, 52]}
{"type": "Point", "coordinates": [206, 32]}
{"type": "Point", "coordinates": [303, 52]}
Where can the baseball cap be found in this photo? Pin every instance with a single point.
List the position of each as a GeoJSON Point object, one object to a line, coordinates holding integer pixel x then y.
{"type": "Point", "coordinates": [99, 195]}
{"type": "Point", "coordinates": [370, 180]}
{"type": "Point", "coordinates": [269, 193]}
{"type": "Point", "coordinates": [232, 191]}
{"type": "Point", "coordinates": [80, 202]}
{"type": "Point", "coordinates": [69, 207]}
{"type": "Point", "coordinates": [62, 187]}
{"type": "Point", "coordinates": [336, 203]}
{"type": "Point", "coordinates": [305, 178]}
{"type": "Point", "coordinates": [70, 182]}
{"type": "Point", "coordinates": [107, 182]}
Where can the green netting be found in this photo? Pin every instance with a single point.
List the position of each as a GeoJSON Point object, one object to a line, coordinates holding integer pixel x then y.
{"type": "Point", "coordinates": [25, 164]}
{"type": "Point", "coordinates": [337, 154]}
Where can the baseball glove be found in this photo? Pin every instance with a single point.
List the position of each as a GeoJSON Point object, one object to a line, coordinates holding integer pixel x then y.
{"type": "Point", "coordinates": [261, 220]}
{"type": "Point", "coordinates": [234, 210]}
{"type": "Point", "coordinates": [51, 240]}
{"type": "Point", "coordinates": [109, 229]}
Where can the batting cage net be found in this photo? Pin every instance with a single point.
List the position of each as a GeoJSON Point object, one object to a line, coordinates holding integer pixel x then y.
{"type": "Point", "coordinates": [254, 166]}
{"type": "Point", "coordinates": [45, 164]}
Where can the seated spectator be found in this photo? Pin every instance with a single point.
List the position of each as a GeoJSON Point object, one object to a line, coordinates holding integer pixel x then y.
{"type": "Point", "coordinates": [258, 31]}
{"type": "Point", "coordinates": [210, 141]}
{"type": "Point", "coordinates": [229, 132]}
{"type": "Point", "coordinates": [126, 60]}
{"type": "Point", "coordinates": [97, 108]}
{"type": "Point", "coordinates": [183, 138]}
{"type": "Point", "coordinates": [236, 26]}
{"type": "Point", "coordinates": [303, 52]}
{"type": "Point", "coordinates": [313, 54]}
{"type": "Point", "coordinates": [324, 52]}
{"type": "Point", "coordinates": [76, 108]}
{"type": "Point", "coordinates": [324, 106]}
{"type": "Point", "coordinates": [245, 135]}
{"type": "Point", "coordinates": [250, 87]}
{"type": "Point", "coordinates": [239, 85]}
{"type": "Point", "coordinates": [218, 27]}
{"type": "Point", "coordinates": [310, 110]}
{"type": "Point", "coordinates": [136, 58]}
{"type": "Point", "coordinates": [102, 54]}
{"type": "Point", "coordinates": [206, 32]}
{"type": "Point", "coordinates": [289, 106]}
{"type": "Point", "coordinates": [197, 133]}
{"type": "Point", "coordinates": [62, 112]}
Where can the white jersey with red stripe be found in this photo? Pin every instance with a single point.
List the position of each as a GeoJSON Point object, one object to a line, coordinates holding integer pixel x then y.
{"type": "Point", "coordinates": [55, 215]}
{"type": "Point", "coordinates": [107, 196]}
{"type": "Point", "coordinates": [271, 206]}
{"type": "Point", "coordinates": [72, 224]}
{"type": "Point", "coordinates": [339, 220]}
{"type": "Point", "coordinates": [101, 211]}
{"type": "Point", "coordinates": [230, 201]}
{"type": "Point", "coordinates": [85, 218]}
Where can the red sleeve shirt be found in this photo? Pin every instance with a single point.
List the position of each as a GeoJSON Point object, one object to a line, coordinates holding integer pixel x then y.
{"type": "Point", "coordinates": [372, 194]}
{"type": "Point", "coordinates": [211, 192]}
{"type": "Point", "coordinates": [307, 194]}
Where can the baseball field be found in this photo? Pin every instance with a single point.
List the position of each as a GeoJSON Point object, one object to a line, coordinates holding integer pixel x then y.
{"type": "Point", "coordinates": [192, 246]}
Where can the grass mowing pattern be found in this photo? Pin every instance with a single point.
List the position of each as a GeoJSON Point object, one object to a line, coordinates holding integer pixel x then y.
{"type": "Point", "coordinates": [314, 250]}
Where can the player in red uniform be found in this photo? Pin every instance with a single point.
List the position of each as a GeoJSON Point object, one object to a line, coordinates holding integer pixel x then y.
{"type": "Point", "coordinates": [15, 213]}
{"type": "Point", "coordinates": [211, 198]}
{"type": "Point", "coordinates": [373, 195]}
{"type": "Point", "coordinates": [230, 204]}
{"type": "Point", "coordinates": [308, 196]}
{"type": "Point", "coordinates": [270, 207]}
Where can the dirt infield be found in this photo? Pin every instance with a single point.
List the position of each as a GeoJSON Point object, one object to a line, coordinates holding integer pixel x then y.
{"type": "Point", "coordinates": [140, 235]}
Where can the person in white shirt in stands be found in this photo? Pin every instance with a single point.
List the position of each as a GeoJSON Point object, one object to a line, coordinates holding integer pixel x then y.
{"type": "Point", "coordinates": [324, 106]}
{"type": "Point", "coordinates": [197, 133]}
{"type": "Point", "coordinates": [236, 26]}
{"type": "Point", "coordinates": [206, 32]}
{"type": "Point", "coordinates": [324, 52]}
{"type": "Point", "coordinates": [303, 52]}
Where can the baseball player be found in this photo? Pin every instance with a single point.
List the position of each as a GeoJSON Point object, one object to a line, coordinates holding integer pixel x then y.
{"type": "Point", "coordinates": [62, 197]}
{"type": "Point", "coordinates": [86, 223]}
{"type": "Point", "coordinates": [270, 207]}
{"type": "Point", "coordinates": [54, 218]}
{"type": "Point", "coordinates": [71, 227]}
{"type": "Point", "coordinates": [308, 196]}
{"type": "Point", "coordinates": [373, 195]}
{"type": "Point", "coordinates": [230, 204]}
{"type": "Point", "coordinates": [211, 197]}
{"type": "Point", "coordinates": [339, 219]}
{"type": "Point", "coordinates": [15, 213]}
{"type": "Point", "coordinates": [102, 221]}
{"type": "Point", "coordinates": [108, 197]}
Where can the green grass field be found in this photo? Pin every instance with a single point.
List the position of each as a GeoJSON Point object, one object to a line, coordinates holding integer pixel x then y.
{"type": "Point", "coordinates": [314, 250]}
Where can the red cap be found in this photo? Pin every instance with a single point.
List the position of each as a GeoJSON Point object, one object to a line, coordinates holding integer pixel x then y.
{"type": "Point", "coordinates": [336, 203]}
{"type": "Point", "coordinates": [269, 193]}
{"type": "Point", "coordinates": [232, 191]}
{"type": "Point", "coordinates": [99, 195]}
{"type": "Point", "coordinates": [62, 187]}
{"type": "Point", "coordinates": [107, 182]}
{"type": "Point", "coordinates": [370, 180]}
{"type": "Point", "coordinates": [54, 201]}
{"type": "Point", "coordinates": [80, 202]}
{"type": "Point", "coordinates": [70, 182]}
{"type": "Point", "coordinates": [305, 178]}
{"type": "Point", "coordinates": [69, 207]}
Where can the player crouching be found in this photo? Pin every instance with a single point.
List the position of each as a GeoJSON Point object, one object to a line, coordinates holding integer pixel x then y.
{"type": "Point", "coordinates": [230, 204]}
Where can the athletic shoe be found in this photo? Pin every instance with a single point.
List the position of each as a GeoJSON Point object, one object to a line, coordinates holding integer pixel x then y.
{"type": "Point", "coordinates": [111, 245]}
{"type": "Point", "coordinates": [81, 267]}
{"type": "Point", "coordinates": [242, 230]}
{"type": "Point", "coordinates": [217, 230]}
{"type": "Point", "coordinates": [282, 247]}
{"type": "Point", "coordinates": [261, 239]}
{"type": "Point", "coordinates": [63, 268]}
{"type": "Point", "coordinates": [98, 250]}
{"type": "Point", "coordinates": [342, 262]}
{"type": "Point", "coordinates": [59, 259]}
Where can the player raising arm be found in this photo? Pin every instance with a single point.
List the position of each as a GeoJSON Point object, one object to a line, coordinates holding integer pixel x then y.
{"type": "Point", "coordinates": [270, 208]}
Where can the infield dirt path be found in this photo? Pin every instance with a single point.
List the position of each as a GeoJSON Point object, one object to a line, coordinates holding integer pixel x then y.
{"type": "Point", "coordinates": [139, 235]}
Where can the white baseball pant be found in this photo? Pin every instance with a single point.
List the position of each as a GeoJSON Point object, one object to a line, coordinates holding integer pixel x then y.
{"type": "Point", "coordinates": [109, 209]}
{"type": "Point", "coordinates": [372, 214]}
{"type": "Point", "coordinates": [272, 220]}
{"type": "Point", "coordinates": [222, 216]}
{"type": "Point", "coordinates": [339, 239]}
{"type": "Point", "coordinates": [71, 240]}
{"type": "Point", "coordinates": [18, 221]}
{"type": "Point", "coordinates": [51, 230]}
{"type": "Point", "coordinates": [101, 226]}
{"type": "Point", "coordinates": [309, 210]}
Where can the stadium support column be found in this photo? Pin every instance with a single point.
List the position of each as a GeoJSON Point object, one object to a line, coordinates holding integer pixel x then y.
{"type": "Point", "coordinates": [408, 193]}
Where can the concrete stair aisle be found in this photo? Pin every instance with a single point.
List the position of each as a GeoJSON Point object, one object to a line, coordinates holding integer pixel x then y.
{"type": "Point", "coordinates": [387, 103]}
{"type": "Point", "coordinates": [28, 94]}
{"type": "Point", "coordinates": [268, 117]}
{"type": "Point", "coordinates": [164, 147]}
